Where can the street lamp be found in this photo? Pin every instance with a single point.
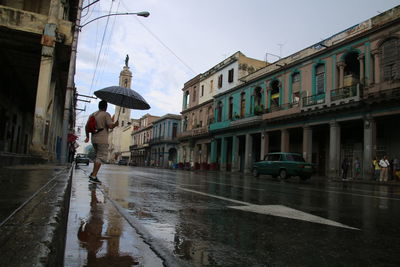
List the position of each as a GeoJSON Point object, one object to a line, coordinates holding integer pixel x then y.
{"type": "Point", "coordinates": [71, 72]}
{"type": "Point", "coordinates": [140, 14]}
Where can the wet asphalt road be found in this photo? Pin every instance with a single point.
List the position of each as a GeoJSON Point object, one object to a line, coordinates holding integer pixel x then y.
{"type": "Point", "coordinates": [223, 219]}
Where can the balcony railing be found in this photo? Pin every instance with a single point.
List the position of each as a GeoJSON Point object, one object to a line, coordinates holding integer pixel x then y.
{"type": "Point", "coordinates": [282, 107]}
{"type": "Point", "coordinates": [343, 93]}
{"type": "Point", "coordinates": [313, 100]}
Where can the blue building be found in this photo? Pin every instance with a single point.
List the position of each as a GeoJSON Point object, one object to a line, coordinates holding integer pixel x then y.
{"type": "Point", "coordinates": [164, 142]}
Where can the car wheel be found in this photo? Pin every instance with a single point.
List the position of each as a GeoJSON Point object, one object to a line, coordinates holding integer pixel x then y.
{"type": "Point", "coordinates": [256, 173]}
{"type": "Point", "coordinates": [283, 174]}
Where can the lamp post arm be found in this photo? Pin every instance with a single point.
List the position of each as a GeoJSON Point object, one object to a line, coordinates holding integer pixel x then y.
{"type": "Point", "coordinates": [142, 14]}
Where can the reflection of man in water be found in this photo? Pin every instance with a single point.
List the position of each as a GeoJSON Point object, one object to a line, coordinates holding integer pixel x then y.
{"type": "Point", "coordinates": [90, 232]}
{"type": "Point", "coordinates": [90, 235]}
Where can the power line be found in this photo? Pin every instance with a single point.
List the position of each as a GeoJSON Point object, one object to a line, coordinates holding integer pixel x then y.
{"type": "Point", "coordinates": [101, 48]}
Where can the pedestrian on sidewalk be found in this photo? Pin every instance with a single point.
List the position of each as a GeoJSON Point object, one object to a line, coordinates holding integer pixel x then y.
{"type": "Point", "coordinates": [384, 164]}
{"type": "Point", "coordinates": [357, 168]}
{"type": "Point", "coordinates": [100, 138]}
{"type": "Point", "coordinates": [377, 169]}
{"type": "Point", "coordinates": [345, 168]}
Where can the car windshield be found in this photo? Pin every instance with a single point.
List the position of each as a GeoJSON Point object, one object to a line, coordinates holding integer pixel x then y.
{"type": "Point", "coordinates": [80, 155]}
{"type": "Point", "coordinates": [274, 157]}
{"type": "Point", "coordinates": [293, 157]}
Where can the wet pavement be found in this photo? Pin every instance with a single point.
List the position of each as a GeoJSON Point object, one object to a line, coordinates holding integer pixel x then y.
{"type": "Point", "coordinates": [222, 219]}
{"type": "Point", "coordinates": [33, 214]}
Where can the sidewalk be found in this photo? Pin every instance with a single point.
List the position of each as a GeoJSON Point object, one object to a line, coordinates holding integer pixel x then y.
{"type": "Point", "coordinates": [97, 233]}
{"type": "Point", "coordinates": [34, 202]}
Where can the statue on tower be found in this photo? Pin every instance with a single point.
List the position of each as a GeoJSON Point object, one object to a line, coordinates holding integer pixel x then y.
{"type": "Point", "coordinates": [126, 61]}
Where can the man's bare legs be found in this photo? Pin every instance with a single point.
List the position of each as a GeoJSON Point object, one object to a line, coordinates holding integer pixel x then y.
{"type": "Point", "coordinates": [96, 167]}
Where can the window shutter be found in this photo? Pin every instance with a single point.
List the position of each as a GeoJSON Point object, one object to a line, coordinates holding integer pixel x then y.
{"type": "Point", "coordinates": [320, 83]}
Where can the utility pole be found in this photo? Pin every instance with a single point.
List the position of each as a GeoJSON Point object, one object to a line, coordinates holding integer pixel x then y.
{"type": "Point", "coordinates": [70, 86]}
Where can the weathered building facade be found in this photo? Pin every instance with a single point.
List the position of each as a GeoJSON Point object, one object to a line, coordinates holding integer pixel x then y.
{"type": "Point", "coordinates": [140, 142]}
{"type": "Point", "coordinates": [164, 141]}
{"type": "Point", "coordinates": [36, 38]}
{"type": "Point", "coordinates": [197, 111]}
{"type": "Point", "coordinates": [336, 99]}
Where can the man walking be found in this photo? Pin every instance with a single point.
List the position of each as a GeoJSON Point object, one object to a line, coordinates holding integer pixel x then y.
{"type": "Point", "coordinates": [100, 138]}
{"type": "Point", "coordinates": [384, 164]}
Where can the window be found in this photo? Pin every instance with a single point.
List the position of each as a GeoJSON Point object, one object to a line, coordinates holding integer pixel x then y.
{"type": "Point", "coordinates": [230, 75]}
{"type": "Point", "coordinates": [275, 93]}
{"type": "Point", "coordinates": [220, 77]}
{"type": "Point", "coordinates": [274, 157]}
{"type": "Point", "coordinates": [295, 87]}
{"type": "Point", "coordinates": [122, 124]}
{"type": "Point", "coordinates": [202, 90]}
{"type": "Point", "coordinates": [242, 104]}
{"type": "Point", "coordinates": [211, 85]}
{"type": "Point", "coordinates": [186, 99]}
{"type": "Point", "coordinates": [219, 111]}
{"type": "Point", "coordinates": [320, 79]}
{"type": "Point", "coordinates": [194, 94]}
{"type": "Point", "coordinates": [174, 130]}
{"type": "Point", "coordinates": [390, 59]}
{"type": "Point", "coordinates": [230, 115]}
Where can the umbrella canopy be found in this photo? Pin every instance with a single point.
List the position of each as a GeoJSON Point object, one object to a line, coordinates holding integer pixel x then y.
{"type": "Point", "coordinates": [123, 97]}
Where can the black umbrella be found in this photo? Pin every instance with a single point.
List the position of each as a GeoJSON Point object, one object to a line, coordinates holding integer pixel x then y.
{"type": "Point", "coordinates": [123, 97]}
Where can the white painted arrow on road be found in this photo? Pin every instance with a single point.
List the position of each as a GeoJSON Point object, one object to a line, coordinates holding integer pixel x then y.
{"type": "Point", "coordinates": [275, 210]}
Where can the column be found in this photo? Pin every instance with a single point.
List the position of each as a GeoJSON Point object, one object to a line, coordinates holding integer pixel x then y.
{"type": "Point", "coordinates": [377, 69]}
{"type": "Point", "coordinates": [213, 163]}
{"type": "Point", "coordinates": [341, 65]}
{"type": "Point", "coordinates": [165, 157]}
{"type": "Point", "coordinates": [196, 156]}
{"type": "Point", "coordinates": [235, 154]}
{"type": "Point", "coordinates": [361, 58]}
{"type": "Point", "coordinates": [224, 148]}
{"type": "Point", "coordinates": [203, 156]}
{"type": "Point", "coordinates": [248, 161]}
{"type": "Point", "coordinates": [285, 136]}
{"type": "Point", "coordinates": [369, 146]}
{"type": "Point", "coordinates": [334, 150]}
{"type": "Point", "coordinates": [41, 123]}
{"type": "Point", "coordinates": [307, 143]}
{"type": "Point", "coordinates": [264, 144]}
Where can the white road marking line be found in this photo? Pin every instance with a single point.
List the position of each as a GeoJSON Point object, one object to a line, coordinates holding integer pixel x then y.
{"type": "Point", "coordinates": [274, 210]}
{"type": "Point", "coordinates": [214, 196]}
{"type": "Point", "coordinates": [238, 186]}
{"type": "Point", "coordinates": [286, 212]}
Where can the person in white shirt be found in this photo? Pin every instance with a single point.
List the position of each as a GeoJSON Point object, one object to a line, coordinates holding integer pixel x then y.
{"type": "Point", "coordinates": [384, 164]}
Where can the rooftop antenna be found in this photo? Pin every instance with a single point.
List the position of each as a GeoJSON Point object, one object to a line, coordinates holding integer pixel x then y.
{"type": "Point", "coordinates": [280, 49]}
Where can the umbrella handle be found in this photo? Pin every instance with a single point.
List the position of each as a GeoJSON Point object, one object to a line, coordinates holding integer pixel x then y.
{"type": "Point", "coordinates": [119, 112]}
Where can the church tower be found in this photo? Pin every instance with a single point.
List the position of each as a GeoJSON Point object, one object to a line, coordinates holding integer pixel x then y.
{"type": "Point", "coordinates": [125, 80]}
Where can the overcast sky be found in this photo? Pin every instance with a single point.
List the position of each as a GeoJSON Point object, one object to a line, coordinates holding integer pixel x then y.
{"type": "Point", "coordinates": [182, 38]}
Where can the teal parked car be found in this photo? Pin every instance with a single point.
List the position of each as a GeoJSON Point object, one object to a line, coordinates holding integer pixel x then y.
{"type": "Point", "coordinates": [283, 165]}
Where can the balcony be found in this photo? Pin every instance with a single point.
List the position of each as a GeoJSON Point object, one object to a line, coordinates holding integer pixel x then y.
{"type": "Point", "coordinates": [335, 97]}
{"type": "Point", "coordinates": [163, 139]}
{"type": "Point", "coordinates": [219, 125]}
{"type": "Point", "coordinates": [345, 95]}
{"type": "Point", "coordinates": [281, 110]}
{"type": "Point", "coordinates": [246, 121]}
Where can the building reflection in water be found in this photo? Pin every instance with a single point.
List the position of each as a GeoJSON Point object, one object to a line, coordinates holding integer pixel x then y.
{"type": "Point", "coordinates": [91, 237]}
